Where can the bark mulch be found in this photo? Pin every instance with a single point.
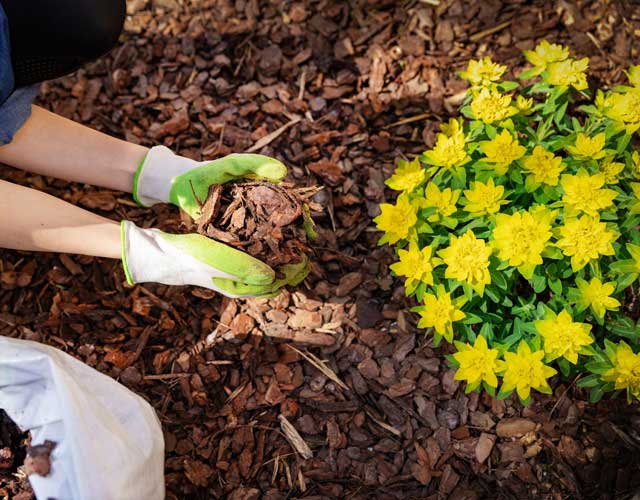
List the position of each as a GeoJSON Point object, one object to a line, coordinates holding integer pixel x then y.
{"type": "Point", "coordinates": [330, 391]}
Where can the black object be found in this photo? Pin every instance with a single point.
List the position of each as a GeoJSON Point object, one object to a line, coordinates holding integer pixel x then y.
{"type": "Point", "coordinates": [50, 38]}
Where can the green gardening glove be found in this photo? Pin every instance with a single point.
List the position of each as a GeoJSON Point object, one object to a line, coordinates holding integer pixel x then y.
{"type": "Point", "coordinates": [151, 255]}
{"type": "Point", "coordinates": [292, 275]}
{"type": "Point", "coordinates": [166, 177]}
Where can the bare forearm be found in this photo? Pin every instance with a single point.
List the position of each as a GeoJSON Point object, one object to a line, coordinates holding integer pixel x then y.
{"type": "Point", "coordinates": [35, 221]}
{"type": "Point", "coordinates": [49, 144]}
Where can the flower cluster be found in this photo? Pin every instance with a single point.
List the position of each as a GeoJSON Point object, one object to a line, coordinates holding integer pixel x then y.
{"type": "Point", "coordinates": [517, 231]}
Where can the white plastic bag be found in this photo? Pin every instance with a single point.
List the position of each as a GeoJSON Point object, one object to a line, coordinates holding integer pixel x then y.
{"type": "Point", "coordinates": [109, 442]}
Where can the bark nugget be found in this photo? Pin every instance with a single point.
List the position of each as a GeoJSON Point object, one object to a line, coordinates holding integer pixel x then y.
{"type": "Point", "coordinates": [271, 222]}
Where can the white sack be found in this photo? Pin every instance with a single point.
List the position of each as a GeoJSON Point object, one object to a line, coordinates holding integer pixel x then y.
{"type": "Point", "coordinates": [109, 441]}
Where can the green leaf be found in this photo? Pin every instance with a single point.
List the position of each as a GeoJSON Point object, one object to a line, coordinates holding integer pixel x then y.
{"type": "Point", "coordinates": [508, 86]}
{"type": "Point", "coordinates": [512, 339]}
{"type": "Point", "coordinates": [596, 394]}
{"type": "Point", "coordinates": [468, 291]}
{"type": "Point", "coordinates": [625, 281]}
{"type": "Point", "coordinates": [529, 74]}
{"type": "Point", "coordinates": [598, 367]}
{"type": "Point", "coordinates": [459, 178]}
{"type": "Point", "coordinates": [564, 366]}
{"type": "Point", "coordinates": [472, 319]}
{"type": "Point", "coordinates": [624, 266]}
{"type": "Point", "coordinates": [559, 115]}
{"type": "Point", "coordinates": [539, 283]}
{"type": "Point", "coordinates": [589, 381]}
{"type": "Point", "coordinates": [530, 184]}
{"type": "Point", "coordinates": [503, 395]}
{"type": "Point", "coordinates": [535, 343]}
{"type": "Point", "coordinates": [467, 332]}
{"type": "Point", "coordinates": [552, 252]}
{"type": "Point", "coordinates": [555, 285]}
{"type": "Point", "coordinates": [491, 131]}
{"type": "Point", "coordinates": [490, 390]}
{"type": "Point", "coordinates": [623, 327]}
{"type": "Point", "coordinates": [493, 294]}
{"type": "Point", "coordinates": [487, 332]}
{"type": "Point", "coordinates": [623, 142]}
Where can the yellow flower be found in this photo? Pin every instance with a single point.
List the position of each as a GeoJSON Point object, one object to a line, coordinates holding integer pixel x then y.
{"type": "Point", "coordinates": [501, 151]}
{"type": "Point", "coordinates": [602, 101]}
{"type": "Point", "coordinates": [491, 106]}
{"type": "Point", "coordinates": [477, 363]}
{"type": "Point", "coordinates": [524, 370]}
{"type": "Point", "coordinates": [415, 265]}
{"type": "Point", "coordinates": [444, 201]}
{"type": "Point", "coordinates": [624, 109]}
{"type": "Point", "coordinates": [611, 170]}
{"type": "Point", "coordinates": [585, 239]}
{"type": "Point", "coordinates": [396, 220]}
{"type": "Point", "coordinates": [569, 72]}
{"type": "Point", "coordinates": [440, 312]}
{"type": "Point", "coordinates": [521, 238]}
{"type": "Point", "coordinates": [588, 147]}
{"type": "Point", "coordinates": [483, 72]}
{"type": "Point", "coordinates": [584, 192]}
{"type": "Point", "coordinates": [407, 176]}
{"type": "Point", "coordinates": [453, 128]}
{"type": "Point", "coordinates": [633, 74]}
{"type": "Point", "coordinates": [562, 336]}
{"type": "Point", "coordinates": [596, 295]}
{"type": "Point", "coordinates": [635, 207]}
{"type": "Point", "coordinates": [543, 167]}
{"type": "Point", "coordinates": [546, 53]}
{"type": "Point", "coordinates": [448, 152]}
{"type": "Point", "coordinates": [467, 259]}
{"type": "Point", "coordinates": [524, 104]}
{"type": "Point", "coordinates": [483, 198]}
{"type": "Point", "coordinates": [625, 373]}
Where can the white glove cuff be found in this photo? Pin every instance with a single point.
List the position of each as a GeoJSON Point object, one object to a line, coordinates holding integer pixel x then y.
{"type": "Point", "coordinates": [154, 177]}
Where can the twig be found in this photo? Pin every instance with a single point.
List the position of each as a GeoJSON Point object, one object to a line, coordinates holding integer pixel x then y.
{"type": "Point", "coordinates": [384, 425]}
{"type": "Point", "coordinates": [410, 119]}
{"type": "Point", "coordinates": [164, 376]}
{"type": "Point", "coordinates": [272, 136]}
{"type": "Point", "coordinates": [235, 393]}
{"type": "Point", "coordinates": [142, 343]}
{"type": "Point", "coordinates": [562, 396]}
{"type": "Point", "coordinates": [320, 365]}
{"type": "Point", "coordinates": [294, 438]}
{"type": "Point", "coordinates": [303, 82]}
{"type": "Point", "coordinates": [481, 34]}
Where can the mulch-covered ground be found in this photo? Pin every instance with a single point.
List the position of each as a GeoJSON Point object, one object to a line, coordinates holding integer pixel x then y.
{"type": "Point", "coordinates": [337, 91]}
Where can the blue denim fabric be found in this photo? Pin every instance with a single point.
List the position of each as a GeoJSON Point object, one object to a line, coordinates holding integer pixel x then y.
{"type": "Point", "coordinates": [15, 106]}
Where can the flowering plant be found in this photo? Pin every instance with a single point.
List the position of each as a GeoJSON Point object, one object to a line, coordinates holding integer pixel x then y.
{"type": "Point", "coordinates": [517, 232]}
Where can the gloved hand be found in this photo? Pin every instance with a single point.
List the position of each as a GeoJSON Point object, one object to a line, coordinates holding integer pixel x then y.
{"type": "Point", "coordinates": [151, 255]}
{"type": "Point", "coordinates": [166, 177]}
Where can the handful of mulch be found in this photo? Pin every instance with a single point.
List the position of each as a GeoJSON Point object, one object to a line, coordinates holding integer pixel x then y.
{"type": "Point", "coordinates": [271, 222]}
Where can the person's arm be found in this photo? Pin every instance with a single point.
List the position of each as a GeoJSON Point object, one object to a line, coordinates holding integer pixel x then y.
{"type": "Point", "coordinates": [49, 144]}
{"type": "Point", "coordinates": [35, 221]}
